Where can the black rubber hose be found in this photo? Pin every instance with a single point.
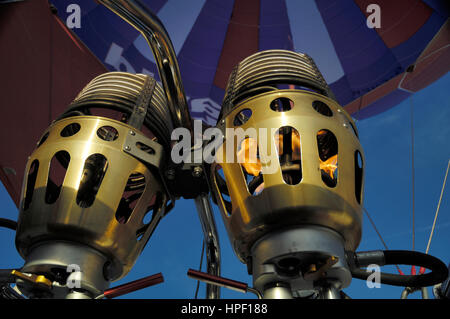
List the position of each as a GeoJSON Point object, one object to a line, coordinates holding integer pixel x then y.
{"type": "Point", "coordinates": [438, 274]}
{"type": "Point", "coordinates": [8, 223]}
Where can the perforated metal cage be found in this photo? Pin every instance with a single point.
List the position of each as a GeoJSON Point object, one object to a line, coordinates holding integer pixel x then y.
{"type": "Point", "coordinates": [291, 157]}
{"type": "Point", "coordinates": [96, 181]}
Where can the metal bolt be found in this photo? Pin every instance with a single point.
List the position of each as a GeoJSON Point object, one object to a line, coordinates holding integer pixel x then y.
{"type": "Point", "coordinates": [223, 121]}
{"type": "Point", "coordinates": [127, 148]}
{"type": "Point", "coordinates": [339, 111]}
{"type": "Point", "coordinates": [132, 133]}
{"type": "Point", "coordinates": [345, 125]}
{"type": "Point", "coordinates": [197, 172]}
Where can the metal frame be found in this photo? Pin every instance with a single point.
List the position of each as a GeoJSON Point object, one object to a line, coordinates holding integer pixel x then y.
{"type": "Point", "coordinates": [141, 18]}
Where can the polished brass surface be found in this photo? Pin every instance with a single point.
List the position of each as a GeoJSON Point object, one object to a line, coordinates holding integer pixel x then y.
{"type": "Point", "coordinates": [279, 205]}
{"type": "Point", "coordinates": [96, 225]}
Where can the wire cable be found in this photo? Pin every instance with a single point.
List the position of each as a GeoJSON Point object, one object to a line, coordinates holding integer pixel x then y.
{"type": "Point", "coordinates": [437, 210]}
{"type": "Point", "coordinates": [379, 235]}
{"type": "Point", "coordinates": [413, 177]}
{"type": "Point", "coordinates": [375, 228]}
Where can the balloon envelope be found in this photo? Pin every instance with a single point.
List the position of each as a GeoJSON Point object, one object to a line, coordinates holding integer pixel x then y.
{"type": "Point", "coordinates": [373, 54]}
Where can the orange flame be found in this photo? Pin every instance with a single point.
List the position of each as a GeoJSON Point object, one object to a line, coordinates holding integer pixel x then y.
{"type": "Point", "coordinates": [247, 156]}
{"type": "Point", "coordinates": [247, 152]}
{"type": "Point", "coordinates": [252, 165]}
{"type": "Point", "coordinates": [329, 166]}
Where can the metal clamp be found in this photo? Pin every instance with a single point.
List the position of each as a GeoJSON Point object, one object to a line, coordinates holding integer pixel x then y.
{"type": "Point", "coordinates": [143, 148]}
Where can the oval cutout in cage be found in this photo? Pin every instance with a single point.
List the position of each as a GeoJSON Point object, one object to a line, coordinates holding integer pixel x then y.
{"type": "Point", "coordinates": [130, 197]}
{"type": "Point", "coordinates": [43, 139]}
{"type": "Point", "coordinates": [107, 133]}
{"type": "Point", "coordinates": [70, 130]}
{"type": "Point", "coordinates": [322, 108]}
{"type": "Point", "coordinates": [282, 104]}
{"type": "Point", "coordinates": [358, 175]}
{"type": "Point", "coordinates": [57, 173]}
{"type": "Point", "coordinates": [31, 182]}
{"type": "Point", "coordinates": [328, 157]}
{"type": "Point", "coordinates": [151, 209]}
{"type": "Point", "coordinates": [242, 117]}
{"type": "Point", "coordinates": [93, 172]}
{"type": "Point", "coordinates": [248, 158]}
{"type": "Point", "coordinates": [287, 141]}
{"type": "Point", "coordinates": [149, 217]}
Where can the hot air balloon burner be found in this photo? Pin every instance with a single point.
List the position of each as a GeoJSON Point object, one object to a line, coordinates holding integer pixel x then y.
{"type": "Point", "coordinates": [93, 192]}
{"type": "Point", "coordinates": [288, 177]}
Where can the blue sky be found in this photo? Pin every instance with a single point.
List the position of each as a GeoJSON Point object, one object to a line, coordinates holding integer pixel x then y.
{"type": "Point", "coordinates": [386, 138]}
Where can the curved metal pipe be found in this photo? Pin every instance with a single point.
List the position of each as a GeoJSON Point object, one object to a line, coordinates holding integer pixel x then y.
{"type": "Point", "coordinates": [409, 290]}
{"type": "Point", "coordinates": [211, 241]}
{"type": "Point", "coordinates": [148, 24]}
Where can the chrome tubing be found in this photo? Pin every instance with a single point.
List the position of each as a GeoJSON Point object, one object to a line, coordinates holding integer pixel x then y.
{"type": "Point", "coordinates": [149, 25]}
{"type": "Point", "coordinates": [143, 20]}
{"type": "Point", "coordinates": [211, 241]}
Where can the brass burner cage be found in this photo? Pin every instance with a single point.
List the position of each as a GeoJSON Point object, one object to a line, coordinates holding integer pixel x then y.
{"type": "Point", "coordinates": [312, 170]}
{"type": "Point", "coordinates": [94, 181]}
